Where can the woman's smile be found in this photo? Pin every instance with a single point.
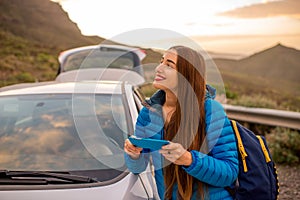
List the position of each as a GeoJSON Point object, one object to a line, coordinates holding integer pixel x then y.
{"type": "Point", "coordinates": [159, 77]}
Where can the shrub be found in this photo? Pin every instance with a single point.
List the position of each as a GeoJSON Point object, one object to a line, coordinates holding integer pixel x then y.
{"type": "Point", "coordinates": [47, 76]}
{"type": "Point", "coordinates": [148, 89]}
{"type": "Point", "coordinates": [43, 58]}
{"type": "Point", "coordinates": [255, 101]}
{"type": "Point", "coordinates": [25, 77]}
{"type": "Point", "coordinates": [284, 145]}
{"type": "Point", "coordinates": [230, 94]}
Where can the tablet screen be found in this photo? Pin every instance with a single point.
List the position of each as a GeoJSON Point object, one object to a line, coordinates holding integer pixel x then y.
{"type": "Point", "coordinates": [148, 143]}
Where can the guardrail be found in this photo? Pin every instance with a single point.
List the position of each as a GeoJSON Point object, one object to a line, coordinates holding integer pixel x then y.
{"type": "Point", "coordinates": [264, 116]}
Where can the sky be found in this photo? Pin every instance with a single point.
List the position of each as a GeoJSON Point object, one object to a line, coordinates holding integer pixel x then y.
{"type": "Point", "coordinates": [225, 26]}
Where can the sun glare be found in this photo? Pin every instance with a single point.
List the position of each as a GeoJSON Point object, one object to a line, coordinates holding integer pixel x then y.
{"type": "Point", "coordinates": [111, 18]}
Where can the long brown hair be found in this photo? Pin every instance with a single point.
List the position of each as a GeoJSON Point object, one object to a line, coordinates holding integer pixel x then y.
{"type": "Point", "coordinates": [187, 124]}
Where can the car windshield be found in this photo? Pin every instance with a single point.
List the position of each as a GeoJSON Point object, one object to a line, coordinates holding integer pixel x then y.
{"type": "Point", "coordinates": [63, 132]}
{"type": "Point", "coordinates": [99, 58]}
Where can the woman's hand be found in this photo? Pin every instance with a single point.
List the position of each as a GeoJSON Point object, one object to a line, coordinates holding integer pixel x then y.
{"type": "Point", "coordinates": [133, 151]}
{"type": "Point", "coordinates": [175, 153]}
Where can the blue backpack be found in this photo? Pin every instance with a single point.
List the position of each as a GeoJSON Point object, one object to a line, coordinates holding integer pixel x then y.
{"type": "Point", "coordinates": [257, 178]}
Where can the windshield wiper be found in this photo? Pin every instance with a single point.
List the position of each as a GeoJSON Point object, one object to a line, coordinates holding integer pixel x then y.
{"type": "Point", "coordinates": [41, 177]}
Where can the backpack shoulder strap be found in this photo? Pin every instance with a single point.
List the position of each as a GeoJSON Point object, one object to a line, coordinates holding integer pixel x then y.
{"type": "Point", "coordinates": [264, 149]}
{"type": "Point", "coordinates": [240, 145]}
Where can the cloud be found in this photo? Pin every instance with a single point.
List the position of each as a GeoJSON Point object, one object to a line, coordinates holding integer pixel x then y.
{"type": "Point", "coordinates": [207, 24]}
{"type": "Point", "coordinates": [288, 8]}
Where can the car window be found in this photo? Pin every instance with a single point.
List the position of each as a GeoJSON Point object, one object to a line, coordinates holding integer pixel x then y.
{"type": "Point", "coordinates": [63, 132]}
{"type": "Point", "coordinates": [99, 58]}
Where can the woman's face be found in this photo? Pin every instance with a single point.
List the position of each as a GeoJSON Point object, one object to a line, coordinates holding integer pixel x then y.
{"type": "Point", "coordinates": [166, 72]}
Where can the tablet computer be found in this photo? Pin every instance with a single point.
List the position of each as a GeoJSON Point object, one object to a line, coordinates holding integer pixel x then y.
{"type": "Point", "coordinates": [148, 143]}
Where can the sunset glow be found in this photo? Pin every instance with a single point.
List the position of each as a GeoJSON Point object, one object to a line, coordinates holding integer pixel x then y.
{"type": "Point", "coordinates": [270, 21]}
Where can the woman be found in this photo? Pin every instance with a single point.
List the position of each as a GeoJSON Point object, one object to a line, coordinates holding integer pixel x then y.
{"type": "Point", "coordinates": [201, 159]}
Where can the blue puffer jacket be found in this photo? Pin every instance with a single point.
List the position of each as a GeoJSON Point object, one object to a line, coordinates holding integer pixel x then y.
{"type": "Point", "coordinates": [218, 168]}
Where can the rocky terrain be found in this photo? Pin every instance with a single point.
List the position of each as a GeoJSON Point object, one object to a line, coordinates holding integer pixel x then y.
{"type": "Point", "coordinates": [289, 180]}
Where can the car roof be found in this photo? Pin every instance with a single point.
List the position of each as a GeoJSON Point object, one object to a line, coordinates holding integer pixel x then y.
{"type": "Point", "coordinates": [66, 53]}
{"type": "Point", "coordinates": [83, 87]}
{"type": "Point", "coordinates": [106, 74]}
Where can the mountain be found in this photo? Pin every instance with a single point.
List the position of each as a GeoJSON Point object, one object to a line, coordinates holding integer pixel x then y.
{"type": "Point", "coordinates": [278, 63]}
{"type": "Point", "coordinates": [32, 34]}
{"type": "Point", "coordinates": [273, 72]}
{"type": "Point", "coordinates": [42, 21]}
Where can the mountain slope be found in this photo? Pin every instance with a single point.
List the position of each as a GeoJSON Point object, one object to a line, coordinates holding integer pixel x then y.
{"type": "Point", "coordinates": [32, 33]}
{"type": "Point", "coordinates": [41, 21]}
{"type": "Point", "coordinates": [278, 62]}
{"type": "Point", "coordinates": [273, 73]}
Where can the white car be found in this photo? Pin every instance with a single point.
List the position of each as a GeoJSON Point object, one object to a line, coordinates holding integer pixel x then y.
{"type": "Point", "coordinates": [94, 61]}
{"type": "Point", "coordinates": [65, 141]}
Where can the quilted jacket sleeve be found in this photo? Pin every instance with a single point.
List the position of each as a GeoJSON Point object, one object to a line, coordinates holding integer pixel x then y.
{"type": "Point", "coordinates": [139, 165]}
{"type": "Point", "coordinates": [220, 166]}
